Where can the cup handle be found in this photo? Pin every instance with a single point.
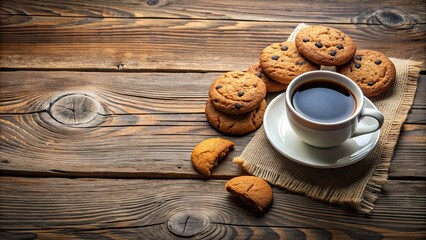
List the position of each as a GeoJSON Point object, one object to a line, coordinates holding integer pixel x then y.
{"type": "Point", "coordinates": [370, 112]}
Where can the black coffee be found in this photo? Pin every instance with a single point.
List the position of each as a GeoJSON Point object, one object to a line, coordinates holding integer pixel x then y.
{"type": "Point", "coordinates": [324, 101]}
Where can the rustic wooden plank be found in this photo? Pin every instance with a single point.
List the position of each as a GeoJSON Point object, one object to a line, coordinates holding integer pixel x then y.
{"type": "Point", "coordinates": [31, 146]}
{"type": "Point", "coordinates": [119, 93]}
{"type": "Point", "coordinates": [156, 127]}
{"type": "Point", "coordinates": [417, 114]}
{"type": "Point", "coordinates": [219, 232]}
{"type": "Point", "coordinates": [122, 44]}
{"type": "Point", "coordinates": [412, 140]}
{"type": "Point", "coordinates": [127, 93]}
{"type": "Point", "coordinates": [152, 232]}
{"type": "Point", "coordinates": [419, 100]}
{"type": "Point", "coordinates": [269, 10]}
{"type": "Point", "coordinates": [144, 130]}
{"type": "Point", "coordinates": [409, 152]}
{"type": "Point", "coordinates": [66, 208]}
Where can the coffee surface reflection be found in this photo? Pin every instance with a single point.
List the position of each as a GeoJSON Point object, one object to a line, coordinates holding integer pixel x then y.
{"type": "Point", "coordinates": [324, 101]}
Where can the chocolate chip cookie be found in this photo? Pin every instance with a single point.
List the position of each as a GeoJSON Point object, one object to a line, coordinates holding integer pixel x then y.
{"type": "Point", "coordinates": [373, 71]}
{"type": "Point", "coordinates": [271, 85]}
{"type": "Point", "coordinates": [207, 154]}
{"type": "Point", "coordinates": [325, 45]}
{"type": "Point", "coordinates": [255, 193]}
{"type": "Point", "coordinates": [237, 92]}
{"type": "Point", "coordinates": [282, 62]}
{"type": "Point", "coordinates": [235, 124]}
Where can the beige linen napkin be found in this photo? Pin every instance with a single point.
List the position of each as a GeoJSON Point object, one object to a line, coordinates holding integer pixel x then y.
{"type": "Point", "coordinates": [356, 185]}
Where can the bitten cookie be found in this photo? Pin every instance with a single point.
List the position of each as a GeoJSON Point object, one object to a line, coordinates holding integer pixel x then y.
{"type": "Point", "coordinates": [271, 85]}
{"type": "Point", "coordinates": [237, 92]}
{"type": "Point", "coordinates": [206, 155]}
{"type": "Point", "coordinates": [282, 62]}
{"type": "Point", "coordinates": [325, 45]}
{"type": "Point", "coordinates": [235, 124]}
{"type": "Point", "coordinates": [373, 71]}
{"type": "Point", "coordinates": [254, 192]}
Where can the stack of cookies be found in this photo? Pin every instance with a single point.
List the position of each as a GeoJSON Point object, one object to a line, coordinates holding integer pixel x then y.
{"type": "Point", "coordinates": [314, 46]}
{"type": "Point", "coordinates": [236, 103]}
{"type": "Point", "coordinates": [373, 71]}
{"type": "Point", "coordinates": [280, 63]}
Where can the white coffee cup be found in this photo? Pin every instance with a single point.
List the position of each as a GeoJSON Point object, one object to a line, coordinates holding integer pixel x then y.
{"type": "Point", "coordinates": [313, 122]}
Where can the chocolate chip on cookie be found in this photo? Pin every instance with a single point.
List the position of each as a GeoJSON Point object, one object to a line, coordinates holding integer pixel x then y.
{"type": "Point", "coordinates": [255, 193]}
{"type": "Point", "coordinates": [373, 71]}
{"type": "Point", "coordinates": [271, 85]}
{"type": "Point", "coordinates": [325, 46]}
{"type": "Point", "coordinates": [235, 124]}
{"type": "Point", "coordinates": [237, 92]}
{"type": "Point", "coordinates": [207, 154]}
{"type": "Point", "coordinates": [284, 65]}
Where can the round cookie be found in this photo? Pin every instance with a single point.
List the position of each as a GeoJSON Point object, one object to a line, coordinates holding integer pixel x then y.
{"type": "Point", "coordinates": [282, 62]}
{"type": "Point", "coordinates": [235, 124]}
{"type": "Point", "coordinates": [254, 192]}
{"type": "Point", "coordinates": [237, 92]}
{"type": "Point", "coordinates": [206, 155]}
{"type": "Point", "coordinates": [373, 71]}
{"type": "Point", "coordinates": [271, 85]}
{"type": "Point", "coordinates": [325, 45]}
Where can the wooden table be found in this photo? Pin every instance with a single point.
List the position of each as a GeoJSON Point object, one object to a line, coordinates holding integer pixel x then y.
{"type": "Point", "coordinates": [102, 102]}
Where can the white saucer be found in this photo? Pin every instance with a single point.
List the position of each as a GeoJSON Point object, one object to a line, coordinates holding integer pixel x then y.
{"type": "Point", "coordinates": [285, 141]}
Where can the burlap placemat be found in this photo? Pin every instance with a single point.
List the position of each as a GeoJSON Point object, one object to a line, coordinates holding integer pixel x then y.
{"type": "Point", "coordinates": [355, 185]}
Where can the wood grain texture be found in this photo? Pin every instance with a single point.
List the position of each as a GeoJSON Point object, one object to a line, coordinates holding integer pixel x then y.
{"type": "Point", "coordinates": [409, 152]}
{"type": "Point", "coordinates": [251, 10]}
{"type": "Point", "coordinates": [119, 93]}
{"type": "Point", "coordinates": [122, 44]}
{"type": "Point", "coordinates": [148, 64]}
{"type": "Point", "coordinates": [146, 129]}
{"type": "Point", "coordinates": [128, 93]}
{"type": "Point", "coordinates": [219, 232]}
{"type": "Point", "coordinates": [65, 208]}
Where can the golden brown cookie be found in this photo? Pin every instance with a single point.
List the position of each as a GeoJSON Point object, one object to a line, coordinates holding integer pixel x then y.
{"type": "Point", "coordinates": [373, 71]}
{"type": "Point", "coordinates": [282, 62]}
{"type": "Point", "coordinates": [207, 154]}
{"type": "Point", "coordinates": [237, 92]}
{"type": "Point", "coordinates": [254, 192]}
{"type": "Point", "coordinates": [235, 124]}
{"type": "Point", "coordinates": [325, 45]}
{"type": "Point", "coordinates": [271, 85]}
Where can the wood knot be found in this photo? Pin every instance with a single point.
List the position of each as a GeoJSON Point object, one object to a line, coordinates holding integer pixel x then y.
{"type": "Point", "coordinates": [74, 109]}
{"type": "Point", "coordinates": [120, 66]}
{"type": "Point", "coordinates": [152, 2]}
{"type": "Point", "coordinates": [187, 224]}
{"type": "Point", "coordinates": [390, 18]}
